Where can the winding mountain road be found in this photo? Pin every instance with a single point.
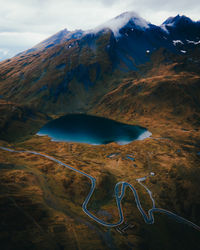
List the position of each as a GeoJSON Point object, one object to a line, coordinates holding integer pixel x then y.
{"type": "Point", "coordinates": [119, 195]}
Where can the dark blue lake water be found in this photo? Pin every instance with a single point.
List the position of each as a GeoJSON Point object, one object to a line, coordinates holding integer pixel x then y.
{"type": "Point", "coordinates": [93, 130]}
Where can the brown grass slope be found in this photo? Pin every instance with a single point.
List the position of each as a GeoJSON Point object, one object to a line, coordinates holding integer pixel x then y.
{"type": "Point", "coordinates": [166, 91]}
{"type": "Point", "coordinates": [41, 200]}
{"type": "Point", "coordinates": [60, 78]}
{"type": "Point", "coordinates": [18, 121]}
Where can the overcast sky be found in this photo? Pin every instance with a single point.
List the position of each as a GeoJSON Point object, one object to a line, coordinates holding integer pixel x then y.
{"type": "Point", "coordinates": [24, 23]}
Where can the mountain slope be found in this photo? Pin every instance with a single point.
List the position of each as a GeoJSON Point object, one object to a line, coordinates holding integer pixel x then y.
{"type": "Point", "coordinates": [167, 91]}
{"type": "Point", "coordinates": [58, 75]}
{"type": "Point", "coordinates": [18, 121]}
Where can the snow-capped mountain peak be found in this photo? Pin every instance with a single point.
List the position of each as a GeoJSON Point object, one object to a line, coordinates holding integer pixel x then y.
{"type": "Point", "coordinates": [177, 19]}
{"type": "Point", "coordinates": [131, 19]}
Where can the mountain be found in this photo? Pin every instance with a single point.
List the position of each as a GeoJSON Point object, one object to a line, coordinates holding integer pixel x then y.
{"type": "Point", "coordinates": [71, 71]}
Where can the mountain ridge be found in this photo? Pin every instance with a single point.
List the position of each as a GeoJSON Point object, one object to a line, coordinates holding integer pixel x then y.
{"type": "Point", "coordinates": [70, 71]}
{"type": "Point", "coordinates": [128, 17]}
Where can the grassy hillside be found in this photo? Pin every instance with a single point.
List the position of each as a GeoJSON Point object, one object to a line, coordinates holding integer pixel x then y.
{"type": "Point", "coordinates": [62, 78]}
{"type": "Point", "coordinates": [18, 122]}
{"type": "Point", "coordinates": [164, 90]}
{"type": "Point", "coordinates": [41, 200]}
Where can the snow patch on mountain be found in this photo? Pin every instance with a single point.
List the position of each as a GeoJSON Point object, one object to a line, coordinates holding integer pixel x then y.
{"type": "Point", "coordinates": [132, 19]}
{"type": "Point", "coordinates": [193, 42]}
{"type": "Point", "coordinates": [164, 27]}
{"type": "Point", "coordinates": [175, 42]}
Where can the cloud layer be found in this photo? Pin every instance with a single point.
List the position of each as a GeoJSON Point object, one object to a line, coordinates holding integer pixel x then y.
{"type": "Point", "coordinates": [24, 23]}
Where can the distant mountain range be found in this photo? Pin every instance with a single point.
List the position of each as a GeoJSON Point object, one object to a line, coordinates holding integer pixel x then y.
{"type": "Point", "coordinates": [72, 71]}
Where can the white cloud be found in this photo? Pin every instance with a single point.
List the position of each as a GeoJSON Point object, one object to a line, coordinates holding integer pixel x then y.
{"type": "Point", "coordinates": [21, 39]}
{"type": "Point", "coordinates": [12, 43]}
{"type": "Point", "coordinates": [4, 52]}
{"type": "Point", "coordinates": [118, 22]}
